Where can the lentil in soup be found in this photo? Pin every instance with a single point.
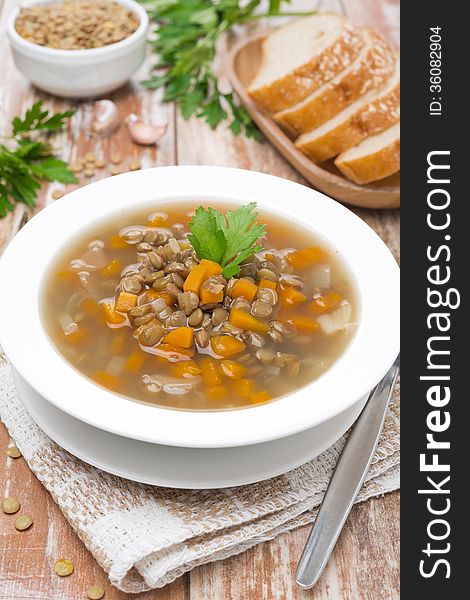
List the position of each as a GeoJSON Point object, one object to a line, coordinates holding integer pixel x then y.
{"type": "Point", "coordinates": [134, 304]}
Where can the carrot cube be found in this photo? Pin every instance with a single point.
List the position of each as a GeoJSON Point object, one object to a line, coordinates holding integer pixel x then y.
{"type": "Point", "coordinates": [186, 369]}
{"type": "Point", "coordinates": [245, 288]}
{"type": "Point", "coordinates": [106, 380]}
{"type": "Point", "coordinates": [112, 317]}
{"type": "Point", "coordinates": [125, 302]}
{"type": "Point", "coordinates": [208, 297]}
{"type": "Point", "coordinates": [323, 304]}
{"type": "Point", "coordinates": [199, 273]}
{"type": "Point", "coordinates": [224, 345]}
{"type": "Point", "coordinates": [182, 337]}
{"type": "Point", "coordinates": [232, 369]}
{"type": "Point", "coordinates": [267, 283]}
{"type": "Point", "coordinates": [210, 371]}
{"type": "Point", "coordinates": [244, 320]}
{"type": "Point", "coordinates": [135, 361]}
{"type": "Point", "coordinates": [260, 397]}
{"type": "Point", "coordinates": [301, 259]}
{"type": "Point", "coordinates": [244, 387]}
{"type": "Point", "coordinates": [290, 297]}
{"type": "Point", "coordinates": [217, 393]}
{"type": "Point", "coordinates": [302, 323]}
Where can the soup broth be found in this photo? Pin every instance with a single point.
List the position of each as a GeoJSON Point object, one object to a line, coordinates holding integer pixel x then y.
{"type": "Point", "coordinates": [131, 306]}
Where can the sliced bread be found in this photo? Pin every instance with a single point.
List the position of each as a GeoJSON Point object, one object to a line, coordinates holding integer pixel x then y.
{"type": "Point", "coordinates": [300, 57]}
{"type": "Point", "coordinates": [371, 68]}
{"type": "Point", "coordinates": [375, 158]}
{"type": "Point", "coordinates": [372, 113]}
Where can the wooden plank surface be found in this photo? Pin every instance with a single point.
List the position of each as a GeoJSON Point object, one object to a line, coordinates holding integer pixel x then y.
{"type": "Point", "coordinates": [365, 563]}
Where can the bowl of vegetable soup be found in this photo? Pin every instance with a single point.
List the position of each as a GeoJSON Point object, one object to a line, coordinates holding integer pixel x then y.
{"type": "Point", "coordinates": [200, 306]}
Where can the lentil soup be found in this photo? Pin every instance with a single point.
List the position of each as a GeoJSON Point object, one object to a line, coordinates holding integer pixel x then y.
{"type": "Point", "coordinates": [131, 304]}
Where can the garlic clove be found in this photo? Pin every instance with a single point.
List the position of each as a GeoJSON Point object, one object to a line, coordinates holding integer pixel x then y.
{"type": "Point", "coordinates": [106, 117]}
{"type": "Point", "coordinates": [145, 134]}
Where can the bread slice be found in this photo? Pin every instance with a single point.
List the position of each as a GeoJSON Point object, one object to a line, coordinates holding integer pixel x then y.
{"type": "Point", "coordinates": [375, 158]}
{"type": "Point", "coordinates": [300, 57]}
{"type": "Point", "coordinates": [371, 68]}
{"type": "Point", "coordinates": [375, 111]}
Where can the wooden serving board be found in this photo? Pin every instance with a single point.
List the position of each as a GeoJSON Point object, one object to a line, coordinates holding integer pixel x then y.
{"type": "Point", "coordinates": [243, 63]}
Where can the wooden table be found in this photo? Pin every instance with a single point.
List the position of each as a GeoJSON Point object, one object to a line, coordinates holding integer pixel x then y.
{"type": "Point", "coordinates": [365, 562]}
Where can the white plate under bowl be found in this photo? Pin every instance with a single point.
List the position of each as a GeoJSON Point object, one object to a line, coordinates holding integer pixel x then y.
{"type": "Point", "coordinates": [361, 366]}
{"type": "Point", "coordinates": [171, 466]}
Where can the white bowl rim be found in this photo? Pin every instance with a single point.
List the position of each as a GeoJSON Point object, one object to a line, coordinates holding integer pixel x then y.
{"type": "Point", "coordinates": [366, 359]}
{"type": "Point", "coordinates": [38, 51]}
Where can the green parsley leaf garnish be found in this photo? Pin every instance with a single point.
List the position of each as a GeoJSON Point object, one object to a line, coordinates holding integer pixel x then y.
{"type": "Point", "coordinates": [36, 118]}
{"type": "Point", "coordinates": [227, 239]}
{"type": "Point", "coordinates": [25, 162]}
{"type": "Point", "coordinates": [187, 32]}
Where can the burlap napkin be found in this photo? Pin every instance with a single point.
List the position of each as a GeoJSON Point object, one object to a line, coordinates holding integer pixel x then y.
{"type": "Point", "coordinates": [145, 537]}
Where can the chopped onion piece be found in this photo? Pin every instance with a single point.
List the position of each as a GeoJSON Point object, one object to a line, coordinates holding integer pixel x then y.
{"type": "Point", "coordinates": [73, 304]}
{"type": "Point", "coordinates": [336, 320]}
{"type": "Point", "coordinates": [79, 264]}
{"type": "Point", "coordinates": [95, 255]}
{"type": "Point", "coordinates": [89, 285]}
{"type": "Point", "coordinates": [133, 268]}
{"type": "Point", "coordinates": [320, 276]}
{"type": "Point", "coordinates": [115, 366]}
{"type": "Point", "coordinates": [271, 371]}
{"type": "Point", "coordinates": [177, 389]}
{"type": "Point", "coordinates": [68, 324]}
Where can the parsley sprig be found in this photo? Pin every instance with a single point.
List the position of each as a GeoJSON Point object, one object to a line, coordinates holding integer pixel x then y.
{"type": "Point", "coordinates": [226, 239]}
{"type": "Point", "coordinates": [27, 160]}
{"type": "Point", "coordinates": [186, 36]}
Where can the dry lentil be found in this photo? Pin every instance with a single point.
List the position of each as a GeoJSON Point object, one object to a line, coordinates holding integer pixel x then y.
{"type": "Point", "coordinates": [63, 567]}
{"type": "Point", "coordinates": [115, 171]}
{"type": "Point", "coordinates": [13, 452]}
{"type": "Point", "coordinates": [100, 163]}
{"type": "Point", "coordinates": [10, 505]}
{"type": "Point", "coordinates": [56, 194]}
{"type": "Point", "coordinates": [134, 165]}
{"type": "Point", "coordinates": [95, 592]}
{"type": "Point", "coordinates": [116, 158]}
{"type": "Point", "coordinates": [23, 522]}
{"type": "Point", "coordinates": [77, 24]}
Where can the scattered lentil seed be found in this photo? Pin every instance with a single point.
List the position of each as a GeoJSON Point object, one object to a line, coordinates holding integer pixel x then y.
{"type": "Point", "coordinates": [23, 522]}
{"type": "Point", "coordinates": [116, 158]}
{"type": "Point", "coordinates": [89, 172]}
{"type": "Point", "coordinates": [195, 318]}
{"type": "Point", "coordinates": [13, 452]}
{"type": "Point", "coordinates": [95, 592]}
{"type": "Point", "coordinates": [76, 167]}
{"type": "Point", "coordinates": [115, 171]}
{"type": "Point", "coordinates": [63, 567]}
{"type": "Point", "coordinates": [10, 505]}
{"type": "Point", "coordinates": [90, 157]}
{"type": "Point", "coordinates": [202, 338]}
{"type": "Point", "coordinates": [100, 163]}
{"type": "Point", "coordinates": [56, 194]}
{"type": "Point", "coordinates": [135, 165]}
{"type": "Point", "coordinates": [219, 315]}
{"type": "Point", "coordinates": [143, 319]}
{"type": "Point", "coordinates": [144, 247]}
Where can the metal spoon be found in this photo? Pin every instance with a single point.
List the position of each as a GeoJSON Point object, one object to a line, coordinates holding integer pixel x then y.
{"type": "Point", "coordinates": [346, 481]}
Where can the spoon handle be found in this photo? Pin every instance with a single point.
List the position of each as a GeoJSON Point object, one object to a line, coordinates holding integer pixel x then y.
{"type": "Point", "coordinates": [346, 481]}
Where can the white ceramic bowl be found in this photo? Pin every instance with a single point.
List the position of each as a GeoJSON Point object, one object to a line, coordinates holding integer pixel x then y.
{"type": "Point", "coordinates": [366, 359]}
{"type": "Point", "coordinates": [80, 73]}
